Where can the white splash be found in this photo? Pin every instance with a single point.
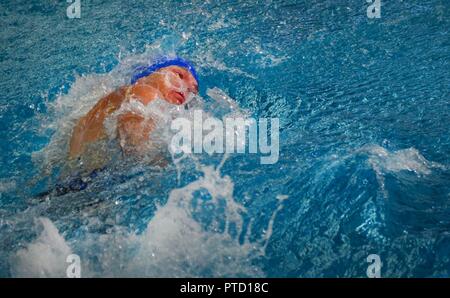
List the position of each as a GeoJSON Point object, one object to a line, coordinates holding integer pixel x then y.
{"type": "Point", "coordinates": [45, 256]}
{"type": "Point", "coordinates": [382, 161]}
{"type": "Point", "coordinates": [174, 244]}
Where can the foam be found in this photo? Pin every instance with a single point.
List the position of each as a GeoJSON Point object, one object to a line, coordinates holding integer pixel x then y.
{"type": "Point", "coordinates": [45, 256]}
{"type": "Point", "coordinates": [174, 243]}
{"type": "Point", "coordinates": [383, 161]}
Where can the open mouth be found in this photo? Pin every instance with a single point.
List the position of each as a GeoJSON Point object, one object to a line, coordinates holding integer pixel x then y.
{"type": "Point", "coordinates": [179, 97]}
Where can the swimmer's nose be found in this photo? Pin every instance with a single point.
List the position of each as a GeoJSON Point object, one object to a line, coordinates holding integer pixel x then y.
{"type": "Point", "coordinates": [194, 89]}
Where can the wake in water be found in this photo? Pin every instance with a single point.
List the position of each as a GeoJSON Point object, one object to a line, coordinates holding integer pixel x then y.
{"type": "Point", "coordinates": [382, 161]}
{"type": "Point", "coordinates": [179, 241]}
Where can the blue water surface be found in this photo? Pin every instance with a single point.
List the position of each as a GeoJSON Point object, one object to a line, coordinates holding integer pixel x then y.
{"type": "Point", "coordinates": [364, 109]}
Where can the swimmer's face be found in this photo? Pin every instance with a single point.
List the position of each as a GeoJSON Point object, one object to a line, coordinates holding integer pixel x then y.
{"type": "Point", "coordinates": [177, 83]}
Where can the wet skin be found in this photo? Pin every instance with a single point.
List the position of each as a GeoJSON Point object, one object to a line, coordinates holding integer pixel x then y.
{"type": "Point", "coordinates": [172, 84]}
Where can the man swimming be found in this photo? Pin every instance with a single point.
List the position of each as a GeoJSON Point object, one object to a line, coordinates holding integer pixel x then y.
{"type": "Point", "coordinates": [170, 79]}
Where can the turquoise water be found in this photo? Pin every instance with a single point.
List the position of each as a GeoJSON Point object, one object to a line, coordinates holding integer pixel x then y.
{"type": "Point", "coordinates": [364, 109]}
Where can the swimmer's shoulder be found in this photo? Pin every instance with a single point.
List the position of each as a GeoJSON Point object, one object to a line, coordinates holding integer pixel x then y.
{"type": "Point", "coordinates": [143, 92]}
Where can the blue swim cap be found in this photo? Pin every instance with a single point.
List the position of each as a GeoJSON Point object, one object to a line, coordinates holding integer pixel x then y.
{"type": "Point", "coordinates": [162, 62]}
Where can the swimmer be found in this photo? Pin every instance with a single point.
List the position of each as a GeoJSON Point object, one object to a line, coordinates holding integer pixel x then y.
{"type": "Point", "coordinates": [172, 80]}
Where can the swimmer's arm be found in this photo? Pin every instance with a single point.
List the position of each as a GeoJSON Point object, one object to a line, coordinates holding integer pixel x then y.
{"type": "Point", "coordinates": [89, 128]}
{"type": "Point", "coordinates": [143, 92]}
{"type": "Point", "coordinates": [134, 131]}
{"type": "Point", "coordinates": [76, 144]}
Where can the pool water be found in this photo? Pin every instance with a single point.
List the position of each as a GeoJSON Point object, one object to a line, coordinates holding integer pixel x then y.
{"type": "Point", "coordinates": [364, 110]}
